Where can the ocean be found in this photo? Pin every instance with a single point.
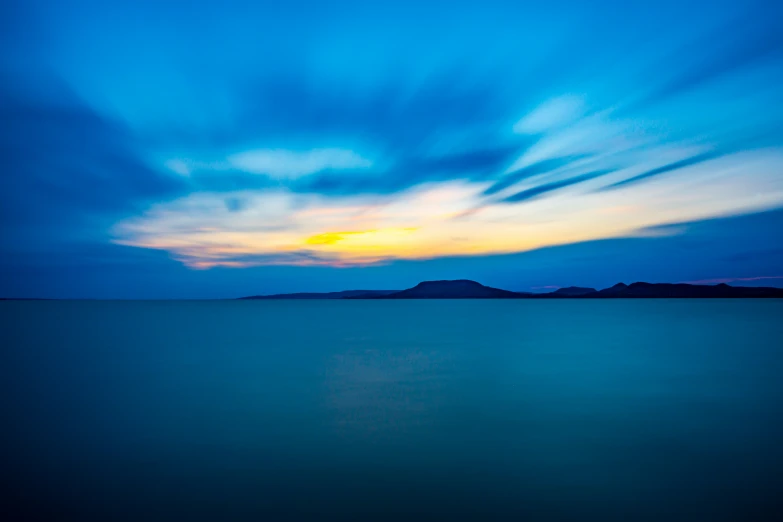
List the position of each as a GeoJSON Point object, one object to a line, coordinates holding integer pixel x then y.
{"type": "Point", "coordinates": [546, 410]}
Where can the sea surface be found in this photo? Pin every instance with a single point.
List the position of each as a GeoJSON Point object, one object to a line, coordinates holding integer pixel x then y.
{"type": "Point", "coordinates": [597, 410]}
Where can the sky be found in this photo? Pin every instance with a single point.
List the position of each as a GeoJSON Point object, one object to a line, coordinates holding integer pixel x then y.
{"type": "Point", "coordinates": [154, 149]}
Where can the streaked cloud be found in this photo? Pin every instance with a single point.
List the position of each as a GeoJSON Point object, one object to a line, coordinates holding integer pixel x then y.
{"type": "Point", "coordinates": [670, 167]}
{"type": "Point", "coordinates": [294, 164]}
{"type": "Point", "coordinates": [509, 128]}
{"type": "Point", "coordinates": [545, 188]}
{"type": "Point", "coordinates": [178, 166]}
{"type": "Point", "coordinates": [554, 113]}
{"type": "Point", "coordinates": [726, 280]}
{"type": "Point", "coordinates": [536, 169]}
{"type": "Point", "coordinates": [438, 219]}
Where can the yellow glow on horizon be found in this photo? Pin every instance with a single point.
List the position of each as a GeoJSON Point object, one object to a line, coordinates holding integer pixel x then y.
{"type": "Point", "coordinates": [436, 220]}
{"type": "Point", "coordinates": [370, 240]}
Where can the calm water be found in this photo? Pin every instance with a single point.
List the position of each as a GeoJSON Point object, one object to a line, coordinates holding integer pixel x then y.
{"type": "Point", "coordinates": [387, 410]}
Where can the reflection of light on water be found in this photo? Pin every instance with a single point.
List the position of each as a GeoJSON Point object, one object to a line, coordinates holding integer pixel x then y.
{"type": "Point", "coordinates": [375, 391]}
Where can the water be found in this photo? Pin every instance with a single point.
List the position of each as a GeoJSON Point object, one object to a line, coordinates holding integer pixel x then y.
{"type": "Point", "coordinates": [387, 410]}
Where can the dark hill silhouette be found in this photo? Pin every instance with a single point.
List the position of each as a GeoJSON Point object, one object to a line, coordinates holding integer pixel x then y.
{"type": "Point", "coordinates": [572, 291]}
{"type": "Point", "coordinates": [614, 291]}
{"type": "Point", "coordinates": [683, 290]}
{"type": "Point", "coordinates": [466, 289]}
{"type": "Point", "coordinates": [459, 289]}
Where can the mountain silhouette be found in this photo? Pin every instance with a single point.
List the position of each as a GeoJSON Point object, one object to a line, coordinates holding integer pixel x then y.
{"type": "Point", "coordinates": [458, 289]}
{"type": "Point", "coordinates": [466, 289]}
{"type": "Point", "coordinates": [683, 290]}
{"type": "Point", "coordinates": [572, 291]}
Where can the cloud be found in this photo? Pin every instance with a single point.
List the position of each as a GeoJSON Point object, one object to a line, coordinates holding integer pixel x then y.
{"type": "Point", "coordinates": [332, 238]}
{"type": "Point", "coordinates": [294, 164]}
{"type": "Point", "coordinates": [273, 226]}
{"type": "Point", "coordinates": [438, 219]}
{"type": "Point", "coordinates": [670, 167]}
{"type": "Point", "coordinates": [307, 158]}
{"type": "Point", "coordinates": [391, 132]}
{"type": "Point", "coordinates": [536, 169]}
{"type": "Point", "coordinates": [395, 112]}
{"type": "Point", "coordinates": [552, 114]}
{"type": "Point", "coordinates": [340, 137]}
{"type": "Point", "coordinates": [178, 166]}
{"type": "Point", "coordinates": [67, 172]}
{"type": "Point", "coordinates": [703, 249]}
{"type": "Point", "coordinates": [719, 280]}
{"type": "Point", "coordinates": [471, 165]}
{"type": "Point", "coordinates": [540, 190]}
{"type": "Point", "coordinates": [483, 161]}
{"type": "Point", "coordinates": [363, 178]}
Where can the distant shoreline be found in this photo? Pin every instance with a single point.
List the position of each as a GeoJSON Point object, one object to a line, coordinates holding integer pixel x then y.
{"type": "Point", "coordinates": [466, 289]}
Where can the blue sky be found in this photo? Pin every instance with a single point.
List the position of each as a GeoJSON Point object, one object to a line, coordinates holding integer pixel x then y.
{"type": "Point", "coordinates": [214, 149]}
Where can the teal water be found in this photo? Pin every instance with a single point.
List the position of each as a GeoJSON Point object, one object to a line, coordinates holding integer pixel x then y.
{"type": "Point", "coordinates": [388, 410]}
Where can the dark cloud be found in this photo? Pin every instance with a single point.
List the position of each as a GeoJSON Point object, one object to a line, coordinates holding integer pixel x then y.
{"type": "Point", "coordinates": [540, 190]}
{"type": "Point", "coordinates": [471, 161]}
{"type": "Point", "coordinates": [541, 167]}
{"type": "Point", "coordinates": [688, 162]}
{"type": "Point", "coordinates": [285, 106]}
{"type": "Point", "coordinates": [66, 171]}
{"type": "Point", "coordinates": [400, 114]}
{"type": "Point", "coordinates": [473, 165]}
{"type": "Point", "coordinates": [443, 126]}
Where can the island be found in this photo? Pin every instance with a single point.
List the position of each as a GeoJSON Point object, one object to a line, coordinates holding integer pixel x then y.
{"type": "Point", "coordinates": [467, 289]}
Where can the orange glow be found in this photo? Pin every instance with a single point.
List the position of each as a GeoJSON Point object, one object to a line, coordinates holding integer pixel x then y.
{"type": "Point", "coordinates": [428, 221]}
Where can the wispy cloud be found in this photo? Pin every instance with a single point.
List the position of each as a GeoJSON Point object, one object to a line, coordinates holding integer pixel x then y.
{"type": "Point", "coordinates": [720, 280]}
{"type": "Point", "coordinates": [439, 219]}
{"type": "Point", "coordinates": [670, 167]}
{"type": "Point", "coordinates": [487, 134]}
{"type": "Point", "coordinates": [536, 169]}
{"type": "Point", "coordinates": [294, 164]}
{"type": "Point", "coordinates": [540, 190]}
{"type": "Point", "coordinates": [553, 114]}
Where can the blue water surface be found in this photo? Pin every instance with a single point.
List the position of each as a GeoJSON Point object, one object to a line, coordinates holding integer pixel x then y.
{"type": "Point", "coordinates": [557, 410]}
